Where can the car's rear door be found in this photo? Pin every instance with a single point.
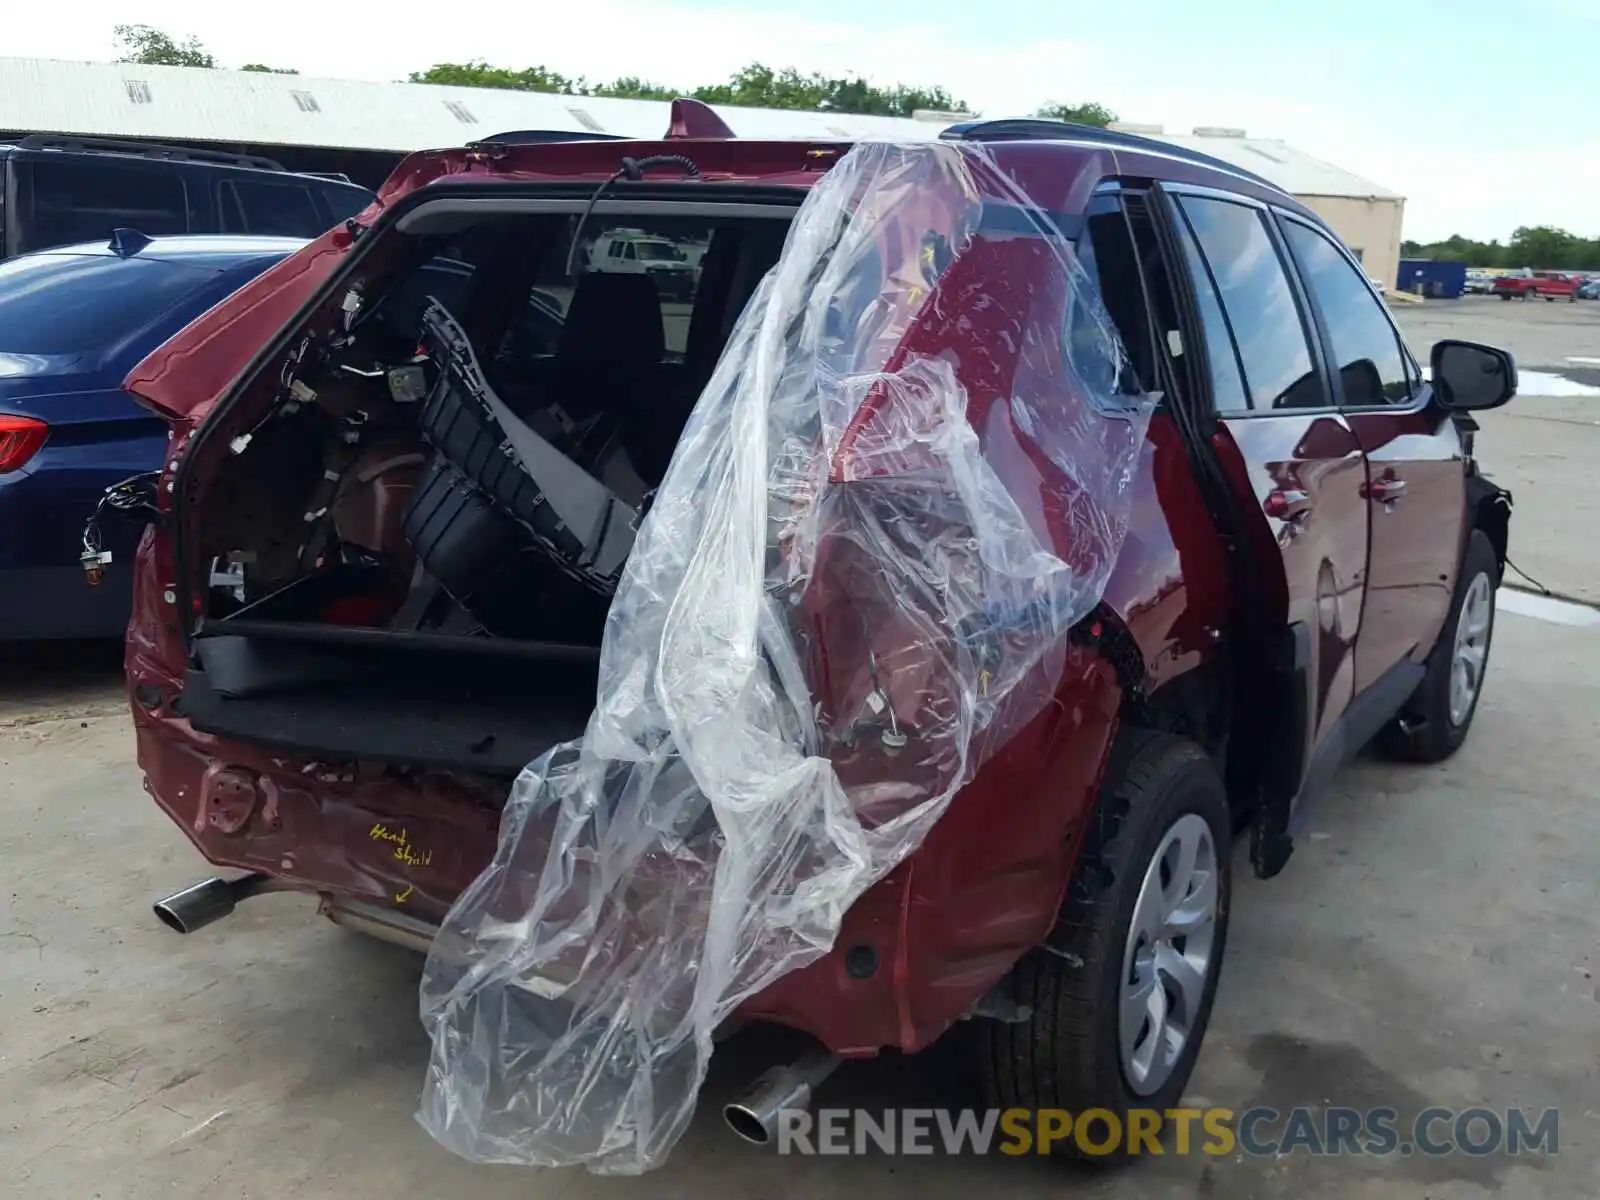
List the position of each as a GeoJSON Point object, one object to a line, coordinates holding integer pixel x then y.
{"type": "Point", "coordinates": [1288, 448]}
{"type": "Point", "coordinates": [1416, 486]}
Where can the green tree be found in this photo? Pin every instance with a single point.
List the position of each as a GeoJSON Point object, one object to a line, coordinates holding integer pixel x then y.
{"type": "Point", "coordinates": [1544, 246]}
{"type": "Point", "coordinates": [263, 68]}
{"type": "Point", "coordinates": [756, 86]}
{"type": "Point", "coordinates": [1087, 113]}
{"type": "Point", "coordinates": [144, 44]}
{"type": "Point", "coordinates": [760, 86]}
{"type": "Point", "coordinates": [631, 87]}
{"type": "Point", "coordinates": [481, 74]}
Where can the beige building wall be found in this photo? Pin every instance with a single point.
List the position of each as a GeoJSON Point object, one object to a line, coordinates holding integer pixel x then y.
{"type": "Point", "coordinates": [1370, 226]}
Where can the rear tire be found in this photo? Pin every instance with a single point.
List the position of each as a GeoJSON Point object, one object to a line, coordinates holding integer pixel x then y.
{"type": "Point", "coordinates": [1116, 950]}
{"type": "Point", "coordinates": [1437, 718]}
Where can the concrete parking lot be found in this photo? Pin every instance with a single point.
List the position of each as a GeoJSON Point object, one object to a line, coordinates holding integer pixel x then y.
{"type": "Point", "coordinates": [1434, 941]}
{"type": "Point", "coordinates": [1545, 446]}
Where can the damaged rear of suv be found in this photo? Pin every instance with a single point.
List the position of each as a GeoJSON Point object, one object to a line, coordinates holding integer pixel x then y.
{"type": "Point", "coordinates": [894, 625]}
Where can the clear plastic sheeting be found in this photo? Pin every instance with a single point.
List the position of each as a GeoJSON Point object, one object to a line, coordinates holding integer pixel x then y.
{"type": "Point", "coordinates": [906, 481]}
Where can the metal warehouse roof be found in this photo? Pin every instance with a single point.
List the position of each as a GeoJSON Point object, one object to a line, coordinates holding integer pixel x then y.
{"type": "Point", "coordinates": [1295, 171]}
{"type": "Point", "coordinates": [260, 109]}
{"type": "Point", "coordinates": [179, 104]}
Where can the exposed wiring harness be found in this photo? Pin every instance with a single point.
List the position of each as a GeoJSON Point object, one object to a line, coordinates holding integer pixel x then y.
{"type": "Point", "coordinates": [632, 169]}
{"type": "Point", "coordinates": [129, 496]}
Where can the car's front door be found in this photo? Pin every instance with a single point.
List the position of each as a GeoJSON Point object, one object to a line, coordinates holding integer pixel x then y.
{"type": "Point", "coordinates": [1415, 486]}
{"type": "Point", "coordinates": [1295, 453]}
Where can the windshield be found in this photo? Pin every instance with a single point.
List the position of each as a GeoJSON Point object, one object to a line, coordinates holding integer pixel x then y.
{"type": "Point", "coordinates": [77, 303]}
{"type": "Point", "coordinates": [658, 251]}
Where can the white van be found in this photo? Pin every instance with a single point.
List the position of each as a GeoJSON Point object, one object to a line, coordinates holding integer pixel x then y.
{"type": "Point", "coordinates": [635, 252]}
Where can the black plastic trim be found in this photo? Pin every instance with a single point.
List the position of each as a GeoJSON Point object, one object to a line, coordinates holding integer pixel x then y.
{"type": "Point", "coordinates": [358, 637]}
{"type": "Point", "coordinates": [94, 145]}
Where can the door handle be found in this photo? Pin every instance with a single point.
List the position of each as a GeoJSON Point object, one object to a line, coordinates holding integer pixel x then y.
{"type": "Point", "coordinates": [1386, 490]}
{"type": "Point", "coordinates": [1286, 505]}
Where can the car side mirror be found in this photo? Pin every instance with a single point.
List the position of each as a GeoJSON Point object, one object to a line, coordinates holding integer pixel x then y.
{"type": "Point", "coordinates": [1469, 377]}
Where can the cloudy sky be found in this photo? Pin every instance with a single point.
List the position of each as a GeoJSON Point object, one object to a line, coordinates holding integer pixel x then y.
{"type": "Point", "coordinates": [1485, 114]}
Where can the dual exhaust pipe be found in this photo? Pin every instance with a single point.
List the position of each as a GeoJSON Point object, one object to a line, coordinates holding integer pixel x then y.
{"type": "Point", "coordinates": [755, 1115]}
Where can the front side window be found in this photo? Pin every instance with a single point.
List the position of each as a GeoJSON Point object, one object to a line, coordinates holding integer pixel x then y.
{"type": "Point", "coordinates": [85, 200]}
{"type": "Point", "coordinates": [1366, 348]}
{"type": "Point", "coordinates": [1258, 301]}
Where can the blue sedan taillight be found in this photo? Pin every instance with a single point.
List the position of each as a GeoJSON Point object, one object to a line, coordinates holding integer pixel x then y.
{"type": "Point", "coordinates": [20, 440]}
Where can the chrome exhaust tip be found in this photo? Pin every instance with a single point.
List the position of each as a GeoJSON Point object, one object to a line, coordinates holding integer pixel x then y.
{"type": "Point", "coordinates": [209, 901]}
{"type": "Point", "coordinates": [755, 1114]}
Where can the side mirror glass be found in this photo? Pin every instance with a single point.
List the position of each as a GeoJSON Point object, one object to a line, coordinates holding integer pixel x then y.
{"type": "Point", "coordinates": [1469, 377]}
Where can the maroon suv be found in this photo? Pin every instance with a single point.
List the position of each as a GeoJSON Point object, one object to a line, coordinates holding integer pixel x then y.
{"type": "Point", "coordinates": [365, 607]}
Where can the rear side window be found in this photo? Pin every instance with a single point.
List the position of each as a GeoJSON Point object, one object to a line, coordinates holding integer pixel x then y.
{"type": "Point", "coordinates": [1366, 348]}
{"type": "Point", "coordinates": [275, 209]}
{"type": "Point", "coordinates": [1110, 258]}
{"type": "Point", "coordinates": [1258, 302]}
{"type": "Point", "coordinates": [81, 303]}
{"type": "Point", "coordinates": [341, 203]}
{"type": "Point", "coordinates": [85, 200]}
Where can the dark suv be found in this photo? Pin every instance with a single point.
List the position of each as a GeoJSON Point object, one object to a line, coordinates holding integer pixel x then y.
{"type": "Point", "coordinates": [1019, 519]}
{"type": "Point", "coordinates": [57, 191]}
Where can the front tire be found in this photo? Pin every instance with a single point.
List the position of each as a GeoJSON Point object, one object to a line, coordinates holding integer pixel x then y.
{"type": "Point", "coordinates": [1436, 720]}
{"type": "Point", "coordinates": [1120, 997]}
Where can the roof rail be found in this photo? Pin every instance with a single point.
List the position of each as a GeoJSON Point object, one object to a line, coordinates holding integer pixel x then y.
{"type": "Point", "coordinates": [56, 141]}
{"type": "Point", "coordinates": [1024, 129]}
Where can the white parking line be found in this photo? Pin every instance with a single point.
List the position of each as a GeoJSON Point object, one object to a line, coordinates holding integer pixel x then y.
{"type": "Point", "coordinates": [1581, 361]}
{"type": "Point", "coordinates": [1545, 383]}
{"type": "Point", "coordinates": [1547, 608]}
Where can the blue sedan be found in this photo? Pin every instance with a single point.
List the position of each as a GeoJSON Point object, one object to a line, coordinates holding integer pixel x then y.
{"type": "Point", "coordinates": [73, 321]}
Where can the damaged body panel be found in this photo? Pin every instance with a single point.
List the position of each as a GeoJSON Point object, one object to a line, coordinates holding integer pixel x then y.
{"type": "Point", "coordinates": [811, 614]}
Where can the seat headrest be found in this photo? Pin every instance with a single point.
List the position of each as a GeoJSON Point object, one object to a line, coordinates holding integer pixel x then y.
{"type": "Point", "coordinates": [612, 318]}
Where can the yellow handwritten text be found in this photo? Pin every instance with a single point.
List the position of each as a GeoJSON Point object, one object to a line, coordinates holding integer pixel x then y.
{"type": "Point", "coordinates": [404, 851]}
{"type": "Point", "coordinates": [382, 833]}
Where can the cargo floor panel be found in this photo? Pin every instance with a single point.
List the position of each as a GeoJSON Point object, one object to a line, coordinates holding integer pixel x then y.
{"type": "Point", "coordinates": [468, 712]}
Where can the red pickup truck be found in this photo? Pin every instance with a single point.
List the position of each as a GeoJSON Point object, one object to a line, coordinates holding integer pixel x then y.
{"type": "Point", "coordinates": [1549, 284]}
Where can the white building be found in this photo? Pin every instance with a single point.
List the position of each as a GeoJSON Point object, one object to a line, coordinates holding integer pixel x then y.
{"type": "Point", "coordinates": [359, 127]}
